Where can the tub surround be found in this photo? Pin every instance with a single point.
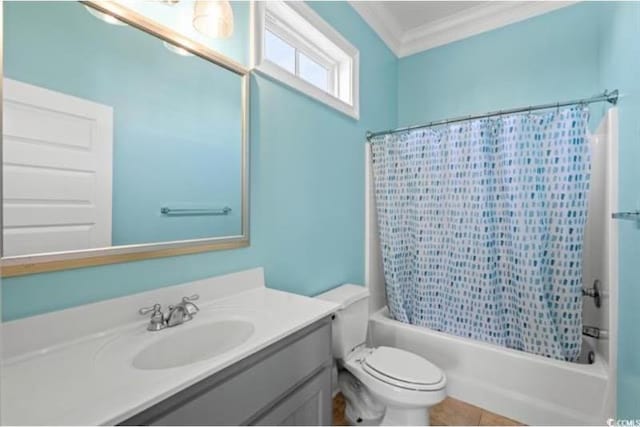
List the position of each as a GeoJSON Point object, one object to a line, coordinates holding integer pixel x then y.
{"type": "Point", "coordinates": [61, 368]}
{"type": "Point", "coordinates": [509, 381]}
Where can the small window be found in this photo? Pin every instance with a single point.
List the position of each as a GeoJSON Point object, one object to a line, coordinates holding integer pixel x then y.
{"type": "Point", "coordinates": [313, 72]}
{"type": "Point", "coordinates": [279, 52]}
{"type": "Point", "coordinates": [296, 46]}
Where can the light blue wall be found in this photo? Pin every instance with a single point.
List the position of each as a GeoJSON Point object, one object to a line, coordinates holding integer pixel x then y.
{"type": "Point", "coordinates": [547, 58]}
{"type": "Point", "coordinates": [307, 195]}
{"type": "Point", "coordinates": [571, 53]}
{"type": "Point", "coordinates": [620, 67]}
{"type": "Point", "coordinates": [177, 120]}
{"type": "Point", "coordinates": [307, 160]}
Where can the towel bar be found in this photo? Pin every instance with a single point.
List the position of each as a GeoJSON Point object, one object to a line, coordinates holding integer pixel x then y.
{"type": "Point", "coordinates": [194, 211]}
{"type": "Point", "coordinates": [632, 216]}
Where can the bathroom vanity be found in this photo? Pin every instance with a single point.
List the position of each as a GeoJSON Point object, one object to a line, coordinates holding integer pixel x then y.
{"type": "Point", "coordinates": [251, 355]}
{"type": "Point", "coordinates": [288, 383]}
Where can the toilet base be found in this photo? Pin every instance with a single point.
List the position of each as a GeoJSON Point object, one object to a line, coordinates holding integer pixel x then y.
{"type": "Point", "coordinates": [405, 417]}
{"type": "Point", "coordinates": [354, 419]}
{"type": "Point", "coordinates": [361, 408]}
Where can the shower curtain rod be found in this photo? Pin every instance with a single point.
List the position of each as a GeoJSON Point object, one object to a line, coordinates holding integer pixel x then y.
{"type": "Point", "coordinates": [610, 97]}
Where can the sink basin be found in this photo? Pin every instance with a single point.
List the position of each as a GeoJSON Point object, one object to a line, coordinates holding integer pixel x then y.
{"type": "Point", "coordinates": [186, 346]}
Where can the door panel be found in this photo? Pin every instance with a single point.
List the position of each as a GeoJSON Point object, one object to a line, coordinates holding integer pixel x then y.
{"type": "Point", "coordinates": [57, 176]}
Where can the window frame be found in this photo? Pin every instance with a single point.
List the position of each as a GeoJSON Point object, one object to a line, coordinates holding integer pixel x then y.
{"type": "Point", "coordinates": [303, 46]}
{"type": "Point", "coordinates": [322, 44]}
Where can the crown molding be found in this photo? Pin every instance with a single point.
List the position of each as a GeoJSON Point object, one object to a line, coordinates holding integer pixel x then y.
{"type": "Point", "coordinates": [470, 22]}
{"type": "Point", "coordinates": [381, 22]}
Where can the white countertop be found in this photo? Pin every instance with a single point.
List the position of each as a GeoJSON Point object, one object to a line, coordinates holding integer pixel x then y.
{"type": "Point", "coordinates": [84, 379]}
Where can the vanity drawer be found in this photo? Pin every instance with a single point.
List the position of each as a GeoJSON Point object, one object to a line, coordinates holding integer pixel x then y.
{"type": "Point", "coordinates": [242, 392]}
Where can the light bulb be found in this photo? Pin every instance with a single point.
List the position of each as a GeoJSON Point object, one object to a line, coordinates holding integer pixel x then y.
{"type": "Point", "coordinates": [177, 49]}
{"type": "Point", "coordinates": [213, 18]}
{"type": "Point", "coordinates": [105, 17]}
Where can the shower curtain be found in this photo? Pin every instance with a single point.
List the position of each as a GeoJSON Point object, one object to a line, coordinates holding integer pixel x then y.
{"type": "Point", "coordinates": [481, 228]}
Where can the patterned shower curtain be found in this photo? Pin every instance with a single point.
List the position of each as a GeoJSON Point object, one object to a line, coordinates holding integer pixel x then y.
{"type": "Point", "coordinates": [481, 227]}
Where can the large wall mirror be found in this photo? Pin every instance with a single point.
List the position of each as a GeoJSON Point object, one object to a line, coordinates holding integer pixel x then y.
{"type": "Point", "coordinates": [121, 139]}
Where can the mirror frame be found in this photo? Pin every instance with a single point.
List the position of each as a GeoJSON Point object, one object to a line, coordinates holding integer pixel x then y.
{"type": "Point", "coordinates": [40, 263]}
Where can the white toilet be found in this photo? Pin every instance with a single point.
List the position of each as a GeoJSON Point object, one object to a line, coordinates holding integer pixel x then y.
{"type": "Point", "coordinates": [403, 385]}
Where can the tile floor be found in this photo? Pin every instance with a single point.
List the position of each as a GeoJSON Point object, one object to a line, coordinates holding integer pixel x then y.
{"type": "Point", "coordinates": [450, 412]}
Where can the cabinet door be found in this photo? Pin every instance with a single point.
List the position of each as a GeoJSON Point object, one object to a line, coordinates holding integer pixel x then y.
{"type": "Point", "coordinates": [308, 405]}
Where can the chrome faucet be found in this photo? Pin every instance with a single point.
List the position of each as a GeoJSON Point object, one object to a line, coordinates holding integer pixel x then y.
{"type": "Point", "coordinates": [182, 312]}
{"type": "Point", "coordinates": [177, 315]}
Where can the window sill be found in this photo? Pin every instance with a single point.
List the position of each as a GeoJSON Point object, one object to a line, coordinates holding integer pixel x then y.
{"type": "Point", "coordinates": [275, 72]}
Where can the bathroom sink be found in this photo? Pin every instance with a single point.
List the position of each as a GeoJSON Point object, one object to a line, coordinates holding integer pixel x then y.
{"type": "Point", "coordinates": [195, 344]}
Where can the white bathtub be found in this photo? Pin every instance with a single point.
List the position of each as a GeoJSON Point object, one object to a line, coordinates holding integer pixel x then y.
{"type": "Point", "coordinates": [529, 388]}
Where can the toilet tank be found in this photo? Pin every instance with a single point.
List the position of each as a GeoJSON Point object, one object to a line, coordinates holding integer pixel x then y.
{"type": "Point", "coordinates": [349, 328]}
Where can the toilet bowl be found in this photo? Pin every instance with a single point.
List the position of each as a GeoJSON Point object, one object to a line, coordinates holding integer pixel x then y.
{"type": "Point", "coordinates": [405, 384]}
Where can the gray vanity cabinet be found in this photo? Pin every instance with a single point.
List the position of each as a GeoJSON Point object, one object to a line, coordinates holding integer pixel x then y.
{"type": "Point", "coordinates": [288, 383]}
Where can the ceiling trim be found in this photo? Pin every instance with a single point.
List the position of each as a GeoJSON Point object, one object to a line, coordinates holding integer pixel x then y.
{"type": "Point", "coordinates": [470, 22]}
{"type": "Point", "coordinates": [381, 22]}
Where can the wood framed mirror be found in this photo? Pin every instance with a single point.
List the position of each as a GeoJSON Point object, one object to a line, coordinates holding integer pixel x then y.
{"type": "Point", "coordinates": [122, 139]}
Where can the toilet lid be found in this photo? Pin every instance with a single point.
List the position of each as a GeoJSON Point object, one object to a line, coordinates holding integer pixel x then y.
{"type": "Point", "coordinates": [403, 369]}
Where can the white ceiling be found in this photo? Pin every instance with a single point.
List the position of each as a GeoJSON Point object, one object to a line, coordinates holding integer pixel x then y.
{"type": "Point", "coordinates": [408, 27]}
{"type": "Point", "coordinates": [411, 14]}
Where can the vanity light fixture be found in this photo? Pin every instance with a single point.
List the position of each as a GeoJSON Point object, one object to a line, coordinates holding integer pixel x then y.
{"type": "Point", "coordinates": [213, 18]}
{"type": "Point", "coordinates": [105, 17]}
{"type": "Point", "coordinates": [176, 49]}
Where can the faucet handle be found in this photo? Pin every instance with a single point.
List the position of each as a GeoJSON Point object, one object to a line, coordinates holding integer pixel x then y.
{"type": "Point", "coordinates": [190, 307]}
{"type": "Point", "coordinates": [157, 321]}
{"type": "Point", "coordinates": [152, 309]}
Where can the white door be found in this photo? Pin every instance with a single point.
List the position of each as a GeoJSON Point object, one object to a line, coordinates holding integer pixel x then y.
{"type": "Point", "coordinates": [57, 160]}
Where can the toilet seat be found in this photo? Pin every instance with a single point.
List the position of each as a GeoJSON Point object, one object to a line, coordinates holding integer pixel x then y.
{"type": "Point", "coordinates": [403, 369]}
{"type": "Point", "coordinates": [391, 391]}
